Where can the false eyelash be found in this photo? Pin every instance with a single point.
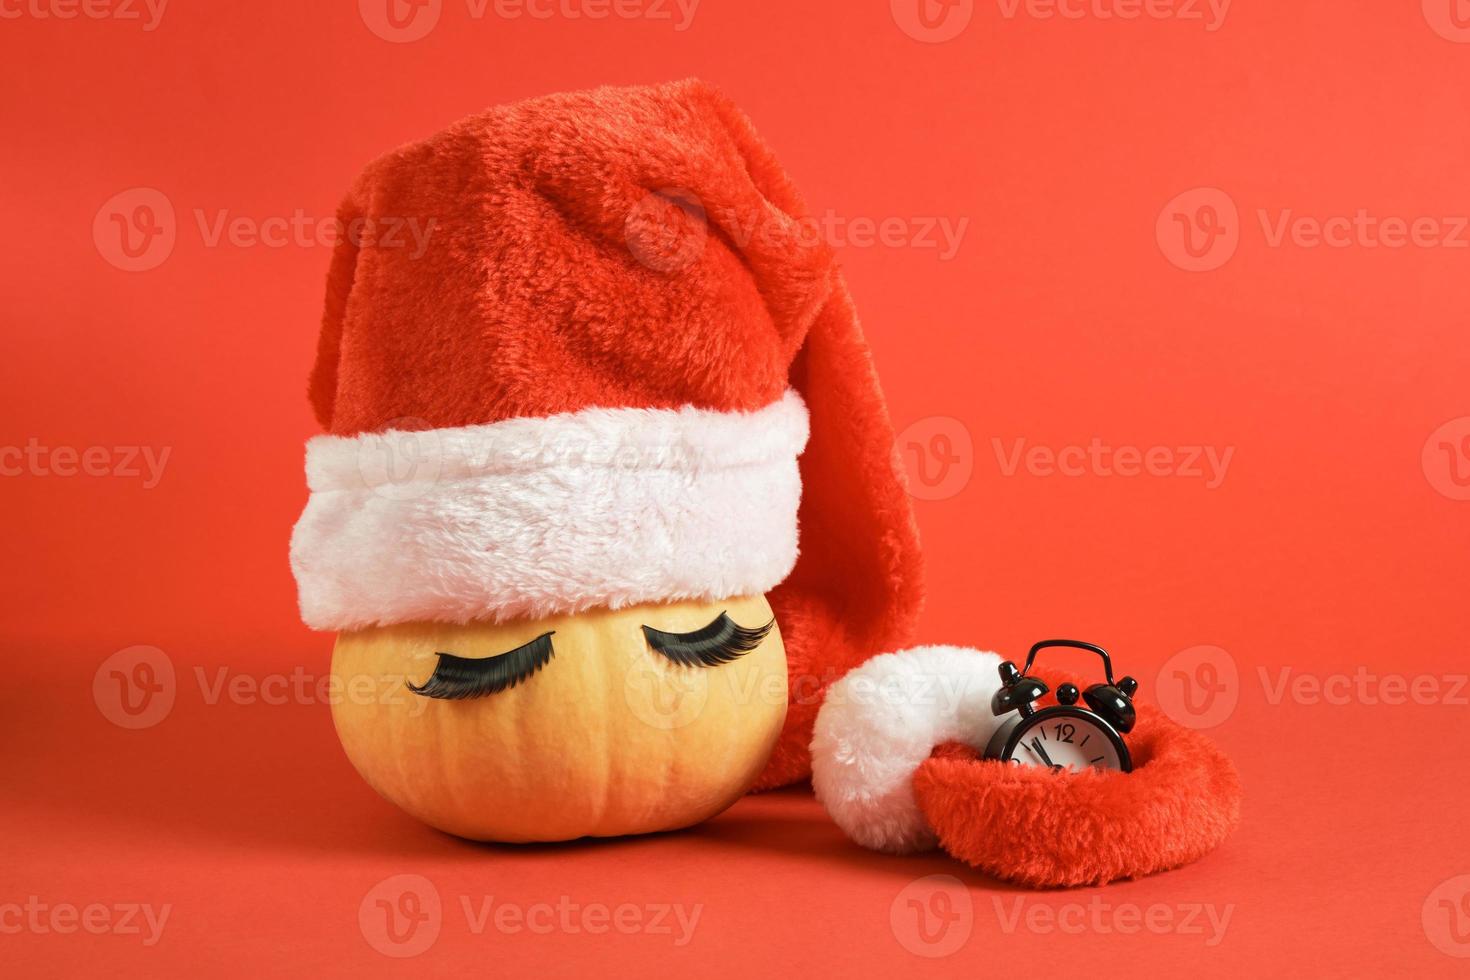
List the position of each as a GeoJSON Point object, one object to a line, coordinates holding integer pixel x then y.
{"type": "Point", "coordinates": [457, 678]}
{"type": "Point", "coordinates": [709, 646]}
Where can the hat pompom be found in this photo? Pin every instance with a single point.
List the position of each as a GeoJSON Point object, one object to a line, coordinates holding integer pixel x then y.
{"type": "Point", "coordinates": [878, 725]}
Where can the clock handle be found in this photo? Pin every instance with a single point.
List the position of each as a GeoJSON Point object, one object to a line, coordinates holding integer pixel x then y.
{"type": "Point", "coordinates": [1076, 645]}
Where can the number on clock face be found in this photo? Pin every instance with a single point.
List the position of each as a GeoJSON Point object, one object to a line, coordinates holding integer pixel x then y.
{"type": "Point", "coordinates": [1067, 743]}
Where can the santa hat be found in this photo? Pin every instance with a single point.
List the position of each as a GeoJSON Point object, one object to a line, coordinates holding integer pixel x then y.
{"type": "Point", "coordinates": [586, 351]}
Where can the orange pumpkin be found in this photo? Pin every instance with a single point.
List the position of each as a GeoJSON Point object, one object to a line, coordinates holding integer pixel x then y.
{"type": "Point", "coordinates": [609, 737]}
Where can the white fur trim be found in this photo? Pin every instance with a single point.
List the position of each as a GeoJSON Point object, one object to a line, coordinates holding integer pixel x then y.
{"type": "Point", "coordinates": [529, 517]}
{"type": "Point", "coordinates": [880, 721]}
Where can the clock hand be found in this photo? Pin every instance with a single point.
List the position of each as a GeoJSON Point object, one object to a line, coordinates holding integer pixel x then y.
{"type": "Point", "coordinates": [1044, 757]}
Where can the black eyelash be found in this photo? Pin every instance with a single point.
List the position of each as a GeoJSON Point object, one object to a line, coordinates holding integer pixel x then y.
{"type": "Point", "coordinates": [709, 646]}
{"type": "Point", "coordinates": [456, 678]}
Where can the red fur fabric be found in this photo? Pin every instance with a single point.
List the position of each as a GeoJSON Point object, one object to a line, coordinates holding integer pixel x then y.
{"type": "Point", "coordinates": [629, 247]}
{"type": "Point", "coordinates": [1029, 825]}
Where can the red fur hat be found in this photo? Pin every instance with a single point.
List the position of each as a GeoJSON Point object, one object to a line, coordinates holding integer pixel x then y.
{"type": "Point", "coordinates": [586, 351]}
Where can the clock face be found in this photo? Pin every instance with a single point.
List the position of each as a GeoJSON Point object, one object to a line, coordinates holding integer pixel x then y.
{"type": "Point", "coordinates": [1066, 739]}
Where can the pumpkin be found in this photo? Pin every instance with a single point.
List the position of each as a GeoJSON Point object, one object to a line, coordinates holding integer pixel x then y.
{"type": "Point", "coordinates": [609, 737]}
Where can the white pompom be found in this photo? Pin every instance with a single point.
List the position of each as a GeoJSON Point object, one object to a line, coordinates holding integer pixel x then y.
{"type": "Point", "coordinates": [880, 721]}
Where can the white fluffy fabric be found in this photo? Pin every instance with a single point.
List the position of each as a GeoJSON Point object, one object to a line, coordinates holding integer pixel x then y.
{"type": "Point", "coordinates": [880, 721]}
{"type": "Point", "coordinates": [530, 517]}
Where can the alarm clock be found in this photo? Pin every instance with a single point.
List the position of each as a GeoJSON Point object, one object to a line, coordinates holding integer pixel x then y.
{"type": "Point", "coordinates": [1066, 736]}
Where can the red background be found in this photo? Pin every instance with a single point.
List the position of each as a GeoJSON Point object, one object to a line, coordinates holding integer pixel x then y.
{"type": "Point", "coordinates": [1334, 542]}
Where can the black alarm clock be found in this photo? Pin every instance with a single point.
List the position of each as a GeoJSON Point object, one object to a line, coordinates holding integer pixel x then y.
{"type": "Point", "coordinates": [1066, 735]}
